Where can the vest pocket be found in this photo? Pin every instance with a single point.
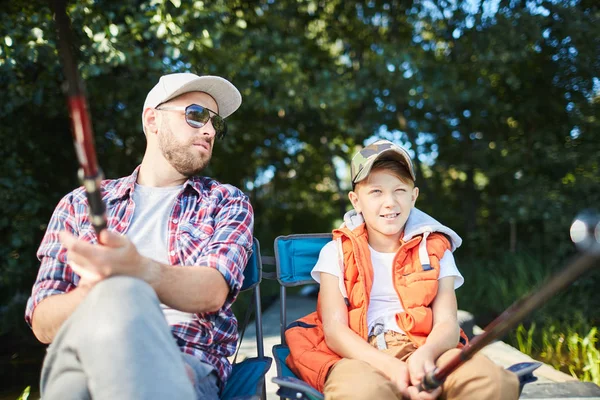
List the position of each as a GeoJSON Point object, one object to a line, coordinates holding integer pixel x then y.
{"type": "Point", "coordinates": [300, 324]}
{"type": "Point", "coordinates": [310, 358]}
{"type": "Point", "coordinates": [418, 276]}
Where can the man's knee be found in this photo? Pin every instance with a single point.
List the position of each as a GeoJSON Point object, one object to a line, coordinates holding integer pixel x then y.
{"type": "Point", "coordinates": [118, 306]}
{"type": "Point", "coordinates": [118, 291]}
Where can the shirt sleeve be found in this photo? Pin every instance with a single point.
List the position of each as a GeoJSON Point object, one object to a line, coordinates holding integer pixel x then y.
{"type": "Point", "coordinates": [448, 268]}
{"type": "Point", "coordinates": [231, 244]}
{"type": "Point", "coordinates": [327, 262]}
{"type": "Point", "coordinates": [54, 276]}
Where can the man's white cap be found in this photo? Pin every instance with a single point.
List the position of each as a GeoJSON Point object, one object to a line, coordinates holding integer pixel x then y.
{"type": "Point", "coordinates": [226, 95]}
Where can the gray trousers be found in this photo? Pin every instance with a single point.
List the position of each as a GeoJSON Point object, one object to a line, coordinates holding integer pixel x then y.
{"type": "Point", "coordinates": [118, 345]}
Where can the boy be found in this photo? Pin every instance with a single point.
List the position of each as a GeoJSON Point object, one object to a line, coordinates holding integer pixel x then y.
{"type": "Point", "coordinates": [387, 310]}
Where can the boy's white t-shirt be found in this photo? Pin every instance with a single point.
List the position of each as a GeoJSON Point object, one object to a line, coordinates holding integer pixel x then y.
{"type": "Point", "coordinates": [384, 303]}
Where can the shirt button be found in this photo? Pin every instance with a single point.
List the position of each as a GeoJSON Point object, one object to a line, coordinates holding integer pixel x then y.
{"type": "Point", "coordinates": [172, 252]}
{"type": "Point", "coordinates": [175, 221]}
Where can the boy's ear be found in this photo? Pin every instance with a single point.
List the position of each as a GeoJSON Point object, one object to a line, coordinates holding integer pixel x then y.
{"type": "Point", "coordinates": [415, 194]}
{"type": "Point", "coordinates": [354, 200]}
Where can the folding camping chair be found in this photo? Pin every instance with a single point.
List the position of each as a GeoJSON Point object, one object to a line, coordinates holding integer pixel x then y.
{"type": "Point", "coordinates": [295, 257]}
{"type": "Point", "coordinates": [247, 379]}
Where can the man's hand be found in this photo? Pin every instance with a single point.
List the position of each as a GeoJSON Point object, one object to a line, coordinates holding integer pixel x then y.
{"type": "Point", "coordinates": [116, 255]}
{"type": "Point", "coordinates": [419, 363]}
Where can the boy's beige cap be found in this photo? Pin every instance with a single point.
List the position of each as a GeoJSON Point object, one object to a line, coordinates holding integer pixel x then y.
{"type": "Point", "coordinates": [362, 162]}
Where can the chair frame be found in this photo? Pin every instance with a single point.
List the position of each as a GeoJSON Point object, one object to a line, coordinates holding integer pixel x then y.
{"type": "Point", "coordinates": [284, 285]}
{"type": "Point", "coordinates": [255, 260]}
{"type": "Point", "coordinates": [255, 287]}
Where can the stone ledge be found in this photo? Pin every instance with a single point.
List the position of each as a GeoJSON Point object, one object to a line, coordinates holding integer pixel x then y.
{"type": "Point", "coordinates": [565, 390]}
{"type": "Point", "coordinates": [506, 355]}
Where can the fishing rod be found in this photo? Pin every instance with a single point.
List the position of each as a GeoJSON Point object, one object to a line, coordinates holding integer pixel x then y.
{"type": "Point", "coordinates": [90, 173]}
{"type": "Point", "coordinates": [585, 233]}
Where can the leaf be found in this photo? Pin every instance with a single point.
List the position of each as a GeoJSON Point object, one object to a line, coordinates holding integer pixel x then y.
{"type": "Point", "coordinates": [114, 29]}
{"type": "Point", "coordinates": [25, 394]}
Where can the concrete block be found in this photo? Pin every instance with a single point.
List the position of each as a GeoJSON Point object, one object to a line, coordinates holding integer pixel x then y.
{"type": "Point", "coordinates": [562, 390]}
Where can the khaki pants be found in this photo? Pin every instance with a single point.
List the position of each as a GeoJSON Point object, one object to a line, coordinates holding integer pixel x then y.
{"type": "Point", "coordinates": [477, 379]}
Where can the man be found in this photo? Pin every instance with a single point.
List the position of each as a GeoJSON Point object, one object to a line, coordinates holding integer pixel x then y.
{"type": "Point", "coordinates": [144, 311]}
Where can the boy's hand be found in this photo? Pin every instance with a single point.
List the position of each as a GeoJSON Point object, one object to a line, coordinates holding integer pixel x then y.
{"type": "Point", "coordinates": [414, 394]}
{"type": "Point", "coordinates": [419, 363]}
{"type": "Point", "coordinates": [397, 372]}
{"type": "Point", "coordinates": [114, 255]}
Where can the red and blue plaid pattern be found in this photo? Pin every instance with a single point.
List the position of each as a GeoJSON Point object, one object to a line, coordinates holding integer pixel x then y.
{"type": "Point", "coordinates": [210, 226]}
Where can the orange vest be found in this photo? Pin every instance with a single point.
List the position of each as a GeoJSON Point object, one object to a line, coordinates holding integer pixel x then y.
{"type": "Point", "coordinates": [311, 359]}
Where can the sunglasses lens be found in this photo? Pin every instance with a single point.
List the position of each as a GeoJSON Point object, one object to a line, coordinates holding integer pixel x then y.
{"type": "Point", "coordinates": [219, 125]}
{"type": "Point", "coordinates": [196, 116]}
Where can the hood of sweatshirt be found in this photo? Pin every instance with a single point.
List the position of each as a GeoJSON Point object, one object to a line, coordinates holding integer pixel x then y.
{"type": "Point", "coordinates": [418, 223]}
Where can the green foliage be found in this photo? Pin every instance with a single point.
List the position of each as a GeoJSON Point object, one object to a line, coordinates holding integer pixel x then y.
{"type": "Point", "coordinates": [524, 338]}
{"type": "Point", "coordinates": [501, 108]}
{"type": "Point", "coordinates": [492, 286]}
{"type": "Point", "coordinates": [572, 348]}
{"type": "Point", "coordinates": [25, 394]}
{"type": "Point", "coordinates": [562, 333]}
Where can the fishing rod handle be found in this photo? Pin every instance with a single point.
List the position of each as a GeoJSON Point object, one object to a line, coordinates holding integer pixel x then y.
{"type": "Point", "coordinates": [93, 192]}
{"type": "Point", "coordinates": [429, 382]}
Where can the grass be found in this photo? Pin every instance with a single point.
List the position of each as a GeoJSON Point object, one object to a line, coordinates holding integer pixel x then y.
{"type": "Point", "coordinates": [563, 333]}
{"type": "Point", "coordinates": [25, 394]}
{"type": "Point", "coordinates": [565, 347]}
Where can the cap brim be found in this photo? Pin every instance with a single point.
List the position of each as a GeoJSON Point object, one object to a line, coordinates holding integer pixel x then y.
{"type": "Point", "coordinates": [227, 97]}
{"type": "Point", "coordinates": [390, 153]}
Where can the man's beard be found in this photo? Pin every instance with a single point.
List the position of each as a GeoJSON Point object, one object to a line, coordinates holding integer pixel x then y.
{"type": "Point", "coordinates": [181, 156]}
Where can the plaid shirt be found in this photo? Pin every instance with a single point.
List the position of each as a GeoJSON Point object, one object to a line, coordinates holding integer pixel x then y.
{"type": "Point", "coordinates": [210, 226]}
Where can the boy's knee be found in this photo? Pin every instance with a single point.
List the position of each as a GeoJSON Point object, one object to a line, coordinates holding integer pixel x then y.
{"type": "Point", "coordinates": [361, 389]}
{"type": "Point", "coordinates": [482, 378]}
{"type": "Point", "coordinates": [357, 380]}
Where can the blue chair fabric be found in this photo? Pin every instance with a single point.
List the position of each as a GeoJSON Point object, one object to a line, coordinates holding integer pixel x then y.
{"type": "Point", "coordinates": [253, 270]}
{"type": "Point", "coordinates": [247, 379]}
{"type": "Point", "coordinates": [280, 353]}
{"type": "Point", "coordinates": [295, 257]}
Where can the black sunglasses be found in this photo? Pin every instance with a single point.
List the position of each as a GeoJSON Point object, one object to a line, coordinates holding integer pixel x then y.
{"type": "Point", "coordinates": [197, 116]}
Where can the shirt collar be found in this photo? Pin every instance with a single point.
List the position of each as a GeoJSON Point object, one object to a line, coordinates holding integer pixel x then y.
{"type": "Point", "coordinates": [195, 182]}
{"type": "Point", "coordinates": [126, 186]}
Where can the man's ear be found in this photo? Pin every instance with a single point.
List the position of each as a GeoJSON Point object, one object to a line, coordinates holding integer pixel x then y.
{"type": "Point", "coordinates": [415, 195]}
{"type": "Point", "coordinates": [354, 200]}
{"type": "Point", "coordinates": [150, 121]}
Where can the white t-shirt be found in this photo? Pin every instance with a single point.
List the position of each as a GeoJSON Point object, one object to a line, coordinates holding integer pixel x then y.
{"type": "Point", "coordinates": [384, 303]}
{"type": "Point", "coordinates": [149, 232]}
